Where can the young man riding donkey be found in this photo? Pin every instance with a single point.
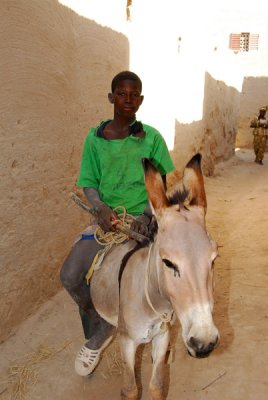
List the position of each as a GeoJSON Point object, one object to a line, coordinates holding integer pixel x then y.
{"type": "Point", "coordinates": [172, 274]}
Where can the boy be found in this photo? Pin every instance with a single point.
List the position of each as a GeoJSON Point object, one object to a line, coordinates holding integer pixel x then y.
{"type": "Point", "coordinates": [111, 174]}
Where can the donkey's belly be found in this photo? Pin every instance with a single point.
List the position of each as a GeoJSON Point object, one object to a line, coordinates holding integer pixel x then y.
{"type": "Point", "coordinates": [105, 286]}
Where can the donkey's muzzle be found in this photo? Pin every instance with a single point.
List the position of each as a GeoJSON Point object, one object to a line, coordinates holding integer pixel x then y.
{"type": "Point", "coordinates": [201, 349]}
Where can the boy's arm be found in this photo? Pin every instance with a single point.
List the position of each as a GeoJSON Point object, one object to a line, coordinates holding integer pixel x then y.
{"type": "Point", "coordinates": [92, 196]}
{"type": "Point", "coordinates": [104, 214]}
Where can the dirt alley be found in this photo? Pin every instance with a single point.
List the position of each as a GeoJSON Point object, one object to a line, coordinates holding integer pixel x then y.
{"type": "Point", "coordinates": [237, 219]}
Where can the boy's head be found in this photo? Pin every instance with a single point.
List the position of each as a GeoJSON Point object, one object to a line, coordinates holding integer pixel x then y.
{"type": "Point", "coordinates": [123, 76]}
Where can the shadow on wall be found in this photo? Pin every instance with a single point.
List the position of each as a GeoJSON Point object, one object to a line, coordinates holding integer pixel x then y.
{"type": "Point", "coordinates": [214, 136]}
{"type": "Point", "coordinates": [56, 73]}
{"type": "Point", "coordinates": [253, 97]}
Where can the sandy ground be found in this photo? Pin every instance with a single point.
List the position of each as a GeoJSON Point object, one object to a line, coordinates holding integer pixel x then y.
{"type": "Point", "coordinates": [238, 369]}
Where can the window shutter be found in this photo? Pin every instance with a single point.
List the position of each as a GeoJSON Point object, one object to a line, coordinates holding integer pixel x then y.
{"type": "Point", "coordinates": [235, 41]}
{"type": "Point", "coordinates": [253, 41]}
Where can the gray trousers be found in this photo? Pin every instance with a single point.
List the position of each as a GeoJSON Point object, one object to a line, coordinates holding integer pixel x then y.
{"type": "Point", "coordinates": [72, 275]}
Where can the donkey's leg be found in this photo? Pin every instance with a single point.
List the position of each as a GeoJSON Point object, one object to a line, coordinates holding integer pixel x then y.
{"type": "Point", "coordinates": [128, 351]}
{"type": "Point", "coordinates": [159, 349]}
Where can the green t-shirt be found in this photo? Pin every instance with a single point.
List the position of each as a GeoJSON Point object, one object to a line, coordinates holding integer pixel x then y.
{"type": "Point", "coordinates": [114, 167]}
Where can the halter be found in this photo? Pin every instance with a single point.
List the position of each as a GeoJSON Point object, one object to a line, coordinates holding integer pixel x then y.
{"type": "Point", "coordinates": [165, 317]}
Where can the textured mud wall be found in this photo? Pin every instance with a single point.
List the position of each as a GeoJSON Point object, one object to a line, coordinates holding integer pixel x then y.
{"type": "Point", "coordinates": [56, 69]}
{"type": "Point", "coordinates": [214, 136]}
{"type": "Point", "coordinates": [221, 111]}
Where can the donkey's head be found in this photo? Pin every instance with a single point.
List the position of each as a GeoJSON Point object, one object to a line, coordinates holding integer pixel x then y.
{"type": "Point", "coordinates": [185, 255]}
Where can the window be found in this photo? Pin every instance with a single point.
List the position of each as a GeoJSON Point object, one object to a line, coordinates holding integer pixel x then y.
{"type": "Point", "coordinates": [244, 41]}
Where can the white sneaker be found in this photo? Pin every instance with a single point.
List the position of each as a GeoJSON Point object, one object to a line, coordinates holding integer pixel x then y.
{"type": "Point", "coordinates": [87, 360]}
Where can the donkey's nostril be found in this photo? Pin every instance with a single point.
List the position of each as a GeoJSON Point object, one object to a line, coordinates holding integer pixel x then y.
{"type": "Point", "coordinates": [205, 350]}
{"type": "Point", "coordinates": [211, 346]}
{"type": "Point", "coordinates": [195, 343]}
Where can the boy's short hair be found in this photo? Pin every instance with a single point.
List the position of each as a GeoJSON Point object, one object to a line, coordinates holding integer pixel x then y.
{"type": "Point", "coordinates": [125, 75]}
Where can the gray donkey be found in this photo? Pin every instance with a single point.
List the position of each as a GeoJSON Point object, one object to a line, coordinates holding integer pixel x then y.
{"type": "Point", "coordinates": [172, 276]}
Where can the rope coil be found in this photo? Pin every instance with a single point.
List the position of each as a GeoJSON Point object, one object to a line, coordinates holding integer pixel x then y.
{"type": "Point", "coordinates": [117, 237]}
{"type": "Point", "coordinates": [109, 239]}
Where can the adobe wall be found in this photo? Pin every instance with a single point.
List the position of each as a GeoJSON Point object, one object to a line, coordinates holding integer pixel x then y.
{"type": "Point", "coordinates": [56, 69]}
{"type": "Point", "coordinates": [214, 136]}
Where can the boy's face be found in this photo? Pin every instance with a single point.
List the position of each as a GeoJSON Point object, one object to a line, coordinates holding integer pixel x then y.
{"type": "Point", "coordinates": [126, 98]}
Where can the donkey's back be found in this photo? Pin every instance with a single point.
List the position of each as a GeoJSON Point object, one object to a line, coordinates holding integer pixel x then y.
{"type": "Point", "coordinates": [105, 283]}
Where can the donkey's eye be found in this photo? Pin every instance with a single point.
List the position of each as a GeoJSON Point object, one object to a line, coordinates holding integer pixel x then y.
{"type": "Point", "coordinates": [169, 264]}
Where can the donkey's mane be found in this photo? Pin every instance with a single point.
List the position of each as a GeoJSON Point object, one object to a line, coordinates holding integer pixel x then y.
{"type": "Point", "coordinates": [178, 197]}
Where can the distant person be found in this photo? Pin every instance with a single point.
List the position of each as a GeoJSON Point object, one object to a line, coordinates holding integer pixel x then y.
{"type": "Point", "coordinates": [260, 133]}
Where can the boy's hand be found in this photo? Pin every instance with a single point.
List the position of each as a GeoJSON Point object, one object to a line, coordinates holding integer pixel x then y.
{"type": "Point", "coordinates": [105, 217]}
{"type": "Point", "coordinates": [140, 224]}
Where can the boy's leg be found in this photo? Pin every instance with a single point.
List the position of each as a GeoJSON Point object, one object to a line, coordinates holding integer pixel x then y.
{"type": "Point", "coordinates": [98, 331]}
{"type": "Point", "coordinates": [74, 270]}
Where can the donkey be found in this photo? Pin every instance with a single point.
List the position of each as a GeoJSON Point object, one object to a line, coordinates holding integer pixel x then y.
{"type": "Point", "coordinates": [172, 275]}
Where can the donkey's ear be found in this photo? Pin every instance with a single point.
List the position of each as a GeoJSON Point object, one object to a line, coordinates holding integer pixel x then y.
{"type": "Point", "coordinates": [193, 182]}
{"type": "Point", "coordinates": [154, 186]}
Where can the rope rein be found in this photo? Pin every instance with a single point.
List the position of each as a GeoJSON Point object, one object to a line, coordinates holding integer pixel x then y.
{"type": "Point", "coordinates": [165, 317]}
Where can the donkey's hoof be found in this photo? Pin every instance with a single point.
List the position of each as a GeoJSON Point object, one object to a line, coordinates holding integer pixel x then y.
{"type": "Point", "coordinates": [157, 394]}
{"type": "Point", "coordinates": [129, 395]}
